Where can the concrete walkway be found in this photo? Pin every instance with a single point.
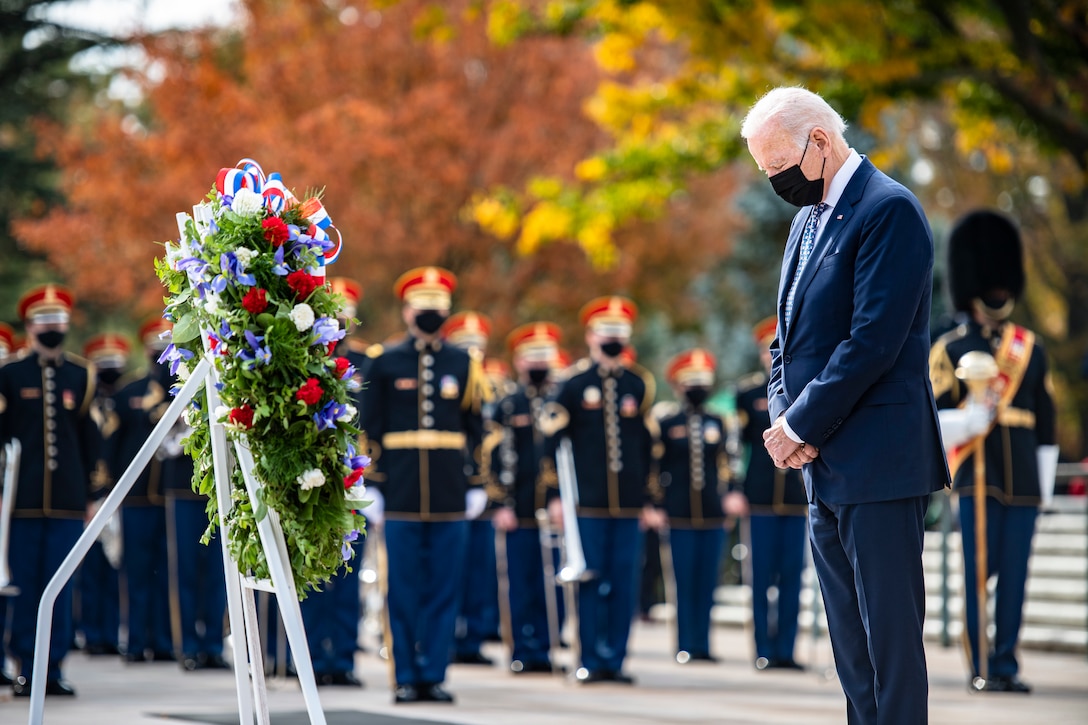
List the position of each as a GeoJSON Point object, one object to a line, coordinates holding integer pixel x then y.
{"type": "Point", "coordinates": [730, 691]}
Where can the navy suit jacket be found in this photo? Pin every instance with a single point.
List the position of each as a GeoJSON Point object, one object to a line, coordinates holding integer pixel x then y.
{"type": "Point", "coordinates": [852, 368]}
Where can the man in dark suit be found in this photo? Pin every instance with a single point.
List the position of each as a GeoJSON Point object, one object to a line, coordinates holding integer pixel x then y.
{"type": "Point", "coordinates": [421, 408]}
{"type": "Point", "coordinates": [849, 394]}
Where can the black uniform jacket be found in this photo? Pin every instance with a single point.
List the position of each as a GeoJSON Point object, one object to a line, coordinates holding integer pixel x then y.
{"type": "Point", "coordinates": [522, 473]}
{"type": "Point", "coordinates": [138, 406]}
{"type": "Point", "coordinates": [1028, 421]}
{"type": "Point", "coordinates": [606, 416]}
{"type": "Point", "coordinates": [420, 413]}
{"type": "Point", "coordinates": [47, 406]}
{"type": "Point", "coordinates": [693, 468]}
{"type": "Point", "coordinates": [769, 489]}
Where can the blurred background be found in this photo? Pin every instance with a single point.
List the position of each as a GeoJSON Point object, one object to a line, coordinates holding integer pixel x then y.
{"type": "Point", "coordinates": [546, 151]}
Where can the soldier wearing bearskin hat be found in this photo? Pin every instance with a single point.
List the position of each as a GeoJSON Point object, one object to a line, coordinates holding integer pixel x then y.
{"type": "Point", "coordinates": [45, 402]}
{"type": "Point", "coordinates": [1013, 424]}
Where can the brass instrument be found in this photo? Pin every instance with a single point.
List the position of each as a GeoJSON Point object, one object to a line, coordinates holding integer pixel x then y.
{"type": "Point", "coordinates": [12, 452]}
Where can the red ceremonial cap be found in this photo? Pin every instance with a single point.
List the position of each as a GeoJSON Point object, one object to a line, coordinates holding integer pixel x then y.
{"type": "Point", "coordinates": [765, 330]}
{"type": "Point", "coordinates": [535, 341]}
{"type": "Point", "coordinates": [7, 339]}
{"type": "Point", "coordinates": [45, 304]}
{"type": "Point", "coordinates": [107, 350]}
{"type": "Point", "coordinates": [467, 330]}
{"type": "Point", "coordinates": [426, 288]}
{"type": "Point", "coordinates": [496, 370]}
{"type": "Point", "coordinates": [563, 359]}
{"type": "Point", "coordinates": [350, 290]}
{"type": "Point", "coordinates": [610, 316]}
{"type": "Point", "coordinates": [692, 367]}
{"type": "Point", "coordinates": [151, 333]}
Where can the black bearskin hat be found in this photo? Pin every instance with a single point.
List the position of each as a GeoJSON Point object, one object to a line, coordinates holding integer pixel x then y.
{"type": "Point", "coordinates": [984, 253]}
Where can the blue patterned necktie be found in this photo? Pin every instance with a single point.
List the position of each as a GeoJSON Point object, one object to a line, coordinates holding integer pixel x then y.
{"type": "Point", "coordinates": [808, 241]}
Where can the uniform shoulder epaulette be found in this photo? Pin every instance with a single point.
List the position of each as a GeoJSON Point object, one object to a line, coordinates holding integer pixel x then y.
{"type": "Point", "coordinates": [582, 365]}
{"type": "Point", "coordinates": [78, 360]}
{"type": "Point", "coordinates": [665, 409]}
{"type": "Point", "coordinates": [750, 381]}
{"type": "Point", "coordinates": [375, 350]}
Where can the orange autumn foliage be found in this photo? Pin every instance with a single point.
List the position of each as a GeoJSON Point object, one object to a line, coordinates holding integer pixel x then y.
{"type": "Point", "coordinates": [401, 130]}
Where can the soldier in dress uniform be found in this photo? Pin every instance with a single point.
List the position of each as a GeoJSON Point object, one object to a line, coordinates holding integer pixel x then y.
{"type": "Point", "coordinates": [332, 615]}
{"type": "Point", "coordinates": [421, 411]}
{"type": "Point", "coordinates": [775, 503]}
{"type": "Point", "coordinates": [603, 409]}
{"type": "Point", "coordinates": [478, 614]}
{"type": "Point", "coordinates": [99, 584]}
{"type": "Point", "coordinates": [139, 405]}
{"type": "Point", "coordinates": [45, 402]}
{"type": "Point", "coordinates": [7, 352]}
{"type": "Point", "coordinates": [1015, 426]}
{"type": "Point", "coordinates": [525, 475]}
{"type": "Point", "coordinates": [693, 473]}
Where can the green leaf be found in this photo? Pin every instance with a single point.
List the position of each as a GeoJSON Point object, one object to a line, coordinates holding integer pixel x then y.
{"type": "Point", "coordinates": [186, 329]}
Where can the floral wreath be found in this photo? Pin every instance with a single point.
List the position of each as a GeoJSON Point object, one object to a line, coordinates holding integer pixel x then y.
{"type": "Point", "coordinates": [247, 285]}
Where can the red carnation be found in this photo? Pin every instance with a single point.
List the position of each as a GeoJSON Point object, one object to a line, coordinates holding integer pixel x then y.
{"type": "Point", "coordinates": [275, 231]}
{"type": "Point", "coordinates": [332, 347]}
{"type": "Point", "coordinates": [310, 392]}
{"type": "Point", "coordinates": [342, 365]}
{"type": "Point", "coordinates": [256, 300]}
{"type": "Point", "coordinates": [351, 478]}
{"type": "Point", "coordinates": [241, 416]}
{"type": "Point", "coordinates": [302, 282]}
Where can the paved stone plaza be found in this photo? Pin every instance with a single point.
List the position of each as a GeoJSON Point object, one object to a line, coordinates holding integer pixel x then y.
{"type": "Point", "coordinates": [728, 692]}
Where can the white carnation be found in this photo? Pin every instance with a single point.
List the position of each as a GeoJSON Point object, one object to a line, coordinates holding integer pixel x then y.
{"type": "Point", "coordinates": [221, 413]}
{"type": "Point", "coordinates": [245, 255]}
{"type": "Point", "coordinates": [356, 493]}
{"type": "Point", "coordinates": [348, 414]}
{"type": "Point", "coordinates": [311, 479]}
{"type": "Point", "coordinates": [247, 202]}
{"type": "Point", "coordinates": [212, 304]}
{"type": "Point", "coordinates": [303, 316]}
{"type": "Point", "coordinates": [183, 371]}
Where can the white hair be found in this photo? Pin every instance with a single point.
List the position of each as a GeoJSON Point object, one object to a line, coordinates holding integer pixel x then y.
{"type": "Point", "coordinates": [796, 111]}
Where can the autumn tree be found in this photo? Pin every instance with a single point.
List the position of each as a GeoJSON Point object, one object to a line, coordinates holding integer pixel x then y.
{"type": "Point", "coordinates": [402, 114]}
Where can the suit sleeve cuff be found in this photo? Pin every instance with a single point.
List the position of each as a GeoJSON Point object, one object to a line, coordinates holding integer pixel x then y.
{"type": "Point", "coordinates": [789, 431]}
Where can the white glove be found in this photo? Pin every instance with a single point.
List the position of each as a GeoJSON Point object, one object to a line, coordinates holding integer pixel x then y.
{"type": "Point", "coordinates": [475, 503]}
{"type": "Point", "coordinates": [1047, 457]}
{"type": "Point", "coordinates": [959, 425]}
{"type": "Point", "coordinates": [375, 512]}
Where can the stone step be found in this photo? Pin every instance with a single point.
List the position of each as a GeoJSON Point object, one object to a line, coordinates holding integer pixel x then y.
{"type": "Point", "coordinates": [1072, 544]}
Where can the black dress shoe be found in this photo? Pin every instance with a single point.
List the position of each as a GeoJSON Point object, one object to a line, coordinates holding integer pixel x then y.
{"type": "Point", "coordinates": [190, 663]}
{"type": "Point", "coordinates": [619, 678]}
{"type": "Point", "coordinates": [787, 664]}
{"type": "Point", "coordinates": [406, 693]}
{"type": "Point", "coordinates": [344, 679]}
{"type": "Point", "coordinates": [163, 656]}
{"type": "Point", "coordinates": [134, 657]}
{"type": "Point", "coordinates": [21, 688]}
{"type": "Point", "coordinates": [213, 662]}
{"type": "Point", "coordinates": [1003, 683]}
{"type": "Point", "coordinates": [101, 649]}
{"type": "Point", "coordinates": [472, 658]}
{"type": "Point", "coordinates": [588, 677]}
{"type": "Point", "coordinates": [435, 693]}
{"type": "Point", "coordinates": [522, 668]}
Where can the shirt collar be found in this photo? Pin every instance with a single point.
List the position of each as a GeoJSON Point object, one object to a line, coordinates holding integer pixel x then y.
{"type": "Point", "coordinates": [842, 178]}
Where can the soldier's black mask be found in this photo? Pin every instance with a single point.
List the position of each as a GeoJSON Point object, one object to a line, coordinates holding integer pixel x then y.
{"type": "Point", "coordinates": [794, 187]}
{"type": "Point", "coordinates": [612, 348]}
{"type": "Point", "coordinates": [429, 321]}
{"type": "Point", "coordinates": [537, 376]}
{"type": "Point", "coordinates": [109, 376]}
{"type": "Point", "coordinates": [51, 338]}
{"type": "Point", "coordinates": [697, 396]}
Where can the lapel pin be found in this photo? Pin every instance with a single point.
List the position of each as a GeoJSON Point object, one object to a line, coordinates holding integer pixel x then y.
{"type": "Point", "coordinates": [839, 217]}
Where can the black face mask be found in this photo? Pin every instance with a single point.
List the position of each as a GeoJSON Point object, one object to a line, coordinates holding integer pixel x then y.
{"type": "Point", "coordinates": [429, 321]}
{"type": "Point", "coordinates": [612, 348]}
{"type": "Point", "coordinates": [51, 338]}
{"type": "Point", "coordinates": [109, 376]}
{"type": "Point", "coordinates": [696, 396]}
{"type": "Point", "coordinates": [794, 187]}
{"type": "Point", "coordinates": [537, 376]}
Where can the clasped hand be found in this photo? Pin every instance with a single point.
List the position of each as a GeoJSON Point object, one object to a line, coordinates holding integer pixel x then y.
{"type": "Point", "coordinates": [786, 452]}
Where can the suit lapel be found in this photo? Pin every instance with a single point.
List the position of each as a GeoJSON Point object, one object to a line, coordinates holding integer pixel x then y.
{"type": "Point", "coordinates": [789, 264]}
{"type": "Point", "coordinates": [837, 220]}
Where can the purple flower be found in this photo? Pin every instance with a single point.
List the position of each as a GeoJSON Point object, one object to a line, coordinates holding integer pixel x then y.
{"type": "Point", "coordinates": [345, 548]}
{"type": "Point", "coordinates": [174, 355]}
{"type": "Point", "coordinates": [326, 330]}
{"type": "Point", "coordinates": [280, 269]}
{"type": "Point", "coordinates": [224, 330]}
{"type": "Point", "coordinates": [326, 417]}
{"type": "Point", "coordinates": [232, 269]}
{"type": "Point", "coordinates": [256, 354]}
